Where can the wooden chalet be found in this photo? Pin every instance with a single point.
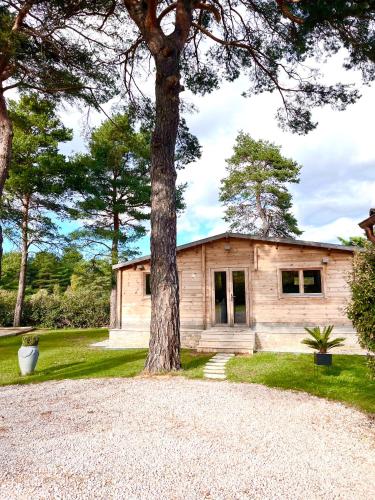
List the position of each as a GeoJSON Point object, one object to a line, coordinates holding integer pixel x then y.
{"type": "Point", "coordinates": [240, 293]}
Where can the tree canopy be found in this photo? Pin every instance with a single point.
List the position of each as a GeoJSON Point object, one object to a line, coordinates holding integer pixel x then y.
{"type": "Point", "coordinates": [255, 191]}
{"type": "Point", "coordinates": [112, 187]}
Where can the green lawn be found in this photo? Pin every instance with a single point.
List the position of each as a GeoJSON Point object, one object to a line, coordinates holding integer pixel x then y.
{"type": "Point", "coordinates": [67, 354]}
{"type": "Point", "coordinates": [347, 380]}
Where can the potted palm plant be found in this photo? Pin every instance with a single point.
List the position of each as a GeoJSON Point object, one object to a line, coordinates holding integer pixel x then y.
{"type": "Point", "coordinates": [322, 343]}
{"type": "Point", "coordinates": [28, 354]}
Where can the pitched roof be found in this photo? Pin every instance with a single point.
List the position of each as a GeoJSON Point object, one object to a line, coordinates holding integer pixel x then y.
{"type": "Point", "coordinates": [279, 241]}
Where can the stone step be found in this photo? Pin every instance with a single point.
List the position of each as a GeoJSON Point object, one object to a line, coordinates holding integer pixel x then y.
{"type": "Point", "coordinates": [216, 376]}
{"type": "Point", "coordinates": [220, 372]}
{"type": "Point", "coordinates": [214, 367]}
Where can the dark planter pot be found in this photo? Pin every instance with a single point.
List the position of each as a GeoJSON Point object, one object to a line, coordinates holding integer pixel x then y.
{"type": "Point", "coordinates": [322, 359]}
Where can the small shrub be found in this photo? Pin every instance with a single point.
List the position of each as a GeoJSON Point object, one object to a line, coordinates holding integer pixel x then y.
{"type": "Point", "coordinates": [361, 309]}
{"type": "Point", "coordinates": [30, 340]}
{"type": "Point", "coordinates": [321, 339]}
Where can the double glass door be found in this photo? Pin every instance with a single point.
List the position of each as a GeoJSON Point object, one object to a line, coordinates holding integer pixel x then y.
{"type": "Point", "coordinates": [230, 297]}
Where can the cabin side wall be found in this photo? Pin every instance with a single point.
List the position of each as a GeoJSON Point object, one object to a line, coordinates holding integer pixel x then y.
{"type": "Point", "coordinates": [136, 305]}
{"type": "Point", "coordinates": [278, 319]}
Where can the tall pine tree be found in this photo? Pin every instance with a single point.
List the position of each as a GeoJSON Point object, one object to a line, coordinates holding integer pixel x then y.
{"type": "Point", "coordinates": [255, 192]}
{"type": "Point", "coordinates": [36, 183]}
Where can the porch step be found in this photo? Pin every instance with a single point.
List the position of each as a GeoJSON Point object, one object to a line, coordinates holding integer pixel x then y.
{"type": "Point", "coordinates": [235, 340]}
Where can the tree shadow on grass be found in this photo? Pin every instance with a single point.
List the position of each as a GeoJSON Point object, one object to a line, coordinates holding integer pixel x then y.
{"type": "Point", "coordinates": [195, 362]}
{"type": "Point", "coordinates": [57, 368]}
{"type": "Point", "coordinates": [105, 367]}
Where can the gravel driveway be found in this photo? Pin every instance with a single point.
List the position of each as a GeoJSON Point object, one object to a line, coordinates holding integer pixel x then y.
{"type": "Point", "coordinates": [174, 438]}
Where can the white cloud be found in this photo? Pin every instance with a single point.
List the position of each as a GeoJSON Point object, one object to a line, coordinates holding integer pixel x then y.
{"type": "Point", "coordinates": [338, 177]}
{"type": "Point", "coordinates": [343, 226]}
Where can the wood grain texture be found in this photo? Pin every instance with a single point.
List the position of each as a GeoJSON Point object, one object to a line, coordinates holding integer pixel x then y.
{"type": "Point", "coordinates": [266, 303]}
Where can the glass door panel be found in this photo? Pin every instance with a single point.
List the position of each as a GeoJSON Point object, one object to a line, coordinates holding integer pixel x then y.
{"type": "Point", "coordinates": [239, 297]}
{"type": "Point", "coordinates": [221, 305]}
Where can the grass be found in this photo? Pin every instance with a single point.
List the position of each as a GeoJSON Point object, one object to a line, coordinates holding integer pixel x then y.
{"type": "Point", "coordinates": [347, 380]}
{"type": "Point", "coordinates": [66, 354]}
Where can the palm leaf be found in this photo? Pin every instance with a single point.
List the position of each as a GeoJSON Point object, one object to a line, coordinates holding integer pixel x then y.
{"type": "Point", "coordinates": [337, 342]}
{"type": "Point", "coordinates": [320, 340]}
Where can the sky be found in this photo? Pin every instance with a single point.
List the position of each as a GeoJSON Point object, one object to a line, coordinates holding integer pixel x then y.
{"type": "Point", "coordinates": [337, 184]}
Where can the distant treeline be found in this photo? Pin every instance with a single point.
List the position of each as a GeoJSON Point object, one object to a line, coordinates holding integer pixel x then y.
{"type": "Point", "coordinates": [64, 290]}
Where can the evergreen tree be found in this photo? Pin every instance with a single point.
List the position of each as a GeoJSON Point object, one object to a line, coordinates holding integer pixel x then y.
{"type": "Point", "coordinates": [71, 258]}
{"type": "Point", "coordinates": [255, 191]}
{"type": "Point", "coordinates": [46, 46]}
{"type": "Point", "coordinates": [11, 267]}
{"type": "Point", "coordinates": [353, 241]}
{"type": "Point", "coordinates": [268, 41]}
{"type": "Point", "coordinates": [36, 182]}
{"type": "Point", "coordinates": [45, 266]}
{"type": "Point", "coordinates": [114, 188]}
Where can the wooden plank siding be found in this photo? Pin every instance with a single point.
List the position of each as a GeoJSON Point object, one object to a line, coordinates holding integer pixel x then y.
{"type": "Point", "coordinates": [262, 262]}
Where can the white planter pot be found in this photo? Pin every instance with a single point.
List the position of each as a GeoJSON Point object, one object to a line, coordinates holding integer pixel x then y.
{"type": "Point", "coordinates": [27, 359]}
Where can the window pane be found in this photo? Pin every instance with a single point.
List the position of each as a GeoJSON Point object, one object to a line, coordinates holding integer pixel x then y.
{"type": "Point", "coordinates": [290, 281]}
{"type": "Point", "coordinates": [148, 284]}
{"type": "Point", "coordinates": [221, 310]}
{"type": "Point", "coordinates": [239, 296]}
{"type": "Point", "coordinates": [312, 281]}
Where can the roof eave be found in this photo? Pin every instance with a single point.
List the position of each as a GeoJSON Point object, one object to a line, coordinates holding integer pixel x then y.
{"type": "Point", "coordinates": [369, 222]}
{"type": "Point", "coordinates": [328, 246]}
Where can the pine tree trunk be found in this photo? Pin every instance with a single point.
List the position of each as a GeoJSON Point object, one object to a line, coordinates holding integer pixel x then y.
{"type": "Point", "coordinates": [1, 251]}
{"type": "Point", "coordinates": [113, 321]}
{"type": "Point", "coordinates": [262, 214]}
{"type": "Point", "coordinates": [6, 136]}
{"type": "Point", "coordinates": [164, 349]}
{"type": "Point", "coordinates": [23, 269]}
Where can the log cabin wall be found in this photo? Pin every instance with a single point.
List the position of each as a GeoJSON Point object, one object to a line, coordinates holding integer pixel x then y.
{"type": "Point", "coordinates": [267, 306]}
{"type": "Point", "coordinates": [272, 306]}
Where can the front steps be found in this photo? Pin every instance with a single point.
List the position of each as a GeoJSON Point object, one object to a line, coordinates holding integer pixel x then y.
{"type": "Point", "coordinates": [227, 340]}
{"type": "Point", "coordinates": [215, 368]}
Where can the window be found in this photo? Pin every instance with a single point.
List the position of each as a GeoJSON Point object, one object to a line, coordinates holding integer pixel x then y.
{"type": "Point", "coordinates": [290, 281]}
{"type": "Point", "coordinates": [301, 281]}
{"type": "Point", "coordinates": [312, 281]}
{"type": "Point", "coordinates": [147, 284]}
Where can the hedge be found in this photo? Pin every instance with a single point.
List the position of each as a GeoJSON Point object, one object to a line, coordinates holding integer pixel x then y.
{"type": "Point", "coordinates": [361, 309]}
{"type": "Point", "coordinates": [72, 309]}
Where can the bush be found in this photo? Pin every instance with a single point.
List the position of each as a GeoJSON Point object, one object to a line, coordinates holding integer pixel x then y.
{"type": "Point", "coordinates": [30, 340]}
{"type": "Point", "coordinates": [80, 308]}
{"type": "Point", "coordinates": [84, 308]}
{"type": "Point", "coordinates": [43, 309]}
{"type": "Point", "coordinates": [7, 305]}
{"type": "Point", "coordinates": [361, 309]}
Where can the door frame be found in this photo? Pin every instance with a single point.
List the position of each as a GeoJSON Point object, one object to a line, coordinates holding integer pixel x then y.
{"type": "Point", "coordinates": [230, 303]}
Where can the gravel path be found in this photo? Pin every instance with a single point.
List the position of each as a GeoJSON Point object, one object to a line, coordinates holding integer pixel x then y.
{"type": "Point", "coordinates": [174, 438]}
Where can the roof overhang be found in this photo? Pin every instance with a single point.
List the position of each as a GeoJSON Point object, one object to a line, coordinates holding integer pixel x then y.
{"type": "Point", "coordinates": [368, 225]}
{"type": "Point", "coordinates": [278, 241]}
